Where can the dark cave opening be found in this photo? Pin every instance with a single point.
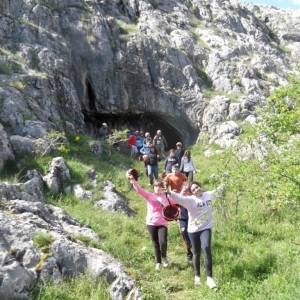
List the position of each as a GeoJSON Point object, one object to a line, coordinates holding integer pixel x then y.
{"type": "Point", "coordinates": [91, 95]}
{"type": "Point", "coordinates": [143, 121]}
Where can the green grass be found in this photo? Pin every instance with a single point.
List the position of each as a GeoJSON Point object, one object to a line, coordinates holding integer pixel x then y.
{"type": "Point", "coordinates": [255, 251]}
{"type": "Point", "coordinates": [82, 287]}
{"type": "Point", "coordinates": [42, 240]}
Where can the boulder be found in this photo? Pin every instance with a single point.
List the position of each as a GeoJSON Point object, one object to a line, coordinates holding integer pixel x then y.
{"type": "Point", "coordinates": [22, 263]}
{"type": "Point", "coordinates": [22, 145]}
{"type": "Point", "coordinates": [112, 201]}
{"type": "Point", "coordinates": [58, 177]}
{"type": "Point", "coordinates": [6, 152]}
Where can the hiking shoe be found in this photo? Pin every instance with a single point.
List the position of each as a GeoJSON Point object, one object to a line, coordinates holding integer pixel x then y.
{"type": "Point", "coordinates": [211, 283]}
{"type": "Point", "coordinates": [157, 267]}
{"type": "Point", "coordinates": [197, 280]}
{"type": "Point", "coordinates": [165, 262]}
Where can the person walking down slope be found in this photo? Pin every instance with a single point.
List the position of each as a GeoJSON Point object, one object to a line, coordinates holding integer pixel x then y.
{"type": "Point", "coordinates": [187, 166]}
{"type": "Point", "coordinates": [199, 206]}
{"type": "Point", "coordinates": [160, 143]}
{"type": "Point", "coordinates": [152, 164]}
{"type": "Point", "coordinates": [103, 132]}
{"type": "Point", "coordinates": [132, 145]}
{"type": "Point", "coordinates": [183, 219]}
{"type": "Point", "coordinates": [171, 160]}
{"type": "Point", "coordinates": [179, 151]}
{"type": "Point", "coordinates": [157, 225]}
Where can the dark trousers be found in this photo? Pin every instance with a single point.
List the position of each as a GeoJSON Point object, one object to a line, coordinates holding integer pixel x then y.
{"type": "Point", "coordinates": [159, 237]}
{"type": "Point", "coordinates": [201, 240]}
{"type": "Point", "coordinates": [183, 224]}
{"type": "Point", "coordinates": [189, 175]}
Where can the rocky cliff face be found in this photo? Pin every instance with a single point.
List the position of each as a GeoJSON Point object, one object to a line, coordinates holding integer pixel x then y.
{"type": "Point", "coordinates": [191, 64]}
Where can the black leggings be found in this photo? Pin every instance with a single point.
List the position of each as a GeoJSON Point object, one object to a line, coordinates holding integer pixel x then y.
{"type": "Point", "coordinates": [159, 237]}
{"type": "Point", "coordinates": [201, 239]}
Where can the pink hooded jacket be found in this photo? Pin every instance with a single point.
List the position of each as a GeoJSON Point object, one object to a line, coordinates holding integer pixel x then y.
{"type": "Point", "coordinates": [155, 204]}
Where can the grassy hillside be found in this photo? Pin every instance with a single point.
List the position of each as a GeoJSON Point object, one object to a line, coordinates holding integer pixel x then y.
{"type": "Point", "coordinates": [256, 243]}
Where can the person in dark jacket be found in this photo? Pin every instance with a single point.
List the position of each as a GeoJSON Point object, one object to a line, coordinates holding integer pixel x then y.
{"type": "Point", "coordinates": [152, 164]}
{"type": "Point", "coordinates": [179, 151]}
{"type": "Point", "coordinates": [183, 219]}
{"type": "Point", "coordinates": [170, 161]}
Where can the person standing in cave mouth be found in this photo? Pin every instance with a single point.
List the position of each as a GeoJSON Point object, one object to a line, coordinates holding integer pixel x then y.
{"type": "Point", "coordinates": [160, 143]}
{"type": "Point", "coordinates": [103, 132]}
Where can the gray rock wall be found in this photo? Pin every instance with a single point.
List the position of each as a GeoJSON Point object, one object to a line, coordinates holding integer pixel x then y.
{"type": "Point", "coordinates": [61, 59]}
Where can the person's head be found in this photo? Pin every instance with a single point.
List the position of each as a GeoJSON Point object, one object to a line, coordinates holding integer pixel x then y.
{"type": "Point", "coordinates": [104, 124]}
{"type": "Point", "coordinates": [175, 169]}
{"type": "Point", "coordinates": [137, 133]}
{"type": "Point", "coordinates": [195, 188]}
{"type": "Point", "coordinates": [147, 134]}
{"type": "Point", "coordinates": [172, 152]}
{"type": "Point", "coordinates": [141, 133]}
{"type": "Point", "coordinates": [179, 145]}
{"type": "Point", "coordinates": [158, 132]}
{"type": "Point", "coordinates": [158, 186]}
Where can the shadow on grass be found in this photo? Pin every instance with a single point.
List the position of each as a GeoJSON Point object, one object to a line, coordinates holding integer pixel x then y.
{"type": "Point", "coordinates": [254, 267]}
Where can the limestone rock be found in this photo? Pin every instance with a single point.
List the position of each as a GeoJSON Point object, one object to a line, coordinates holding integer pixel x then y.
{"type": "Point", "coordinates": [22, 263]}
{"type": "Point", "coordinates": [112, 201]}
{"type": "Point", "coordinates": [6, 153]}
{"type": "Point", "coordinates": [58, 175]}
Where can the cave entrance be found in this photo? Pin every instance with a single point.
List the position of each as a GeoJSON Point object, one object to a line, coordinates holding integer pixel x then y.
{"type": "Point", "coordinates": [145, 122]}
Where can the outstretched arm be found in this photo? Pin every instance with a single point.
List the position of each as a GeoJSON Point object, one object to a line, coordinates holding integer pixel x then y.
{"type": "Point", "coordinates": [138, 188]}
{"type": "Point", "coordinates": [185, 201]}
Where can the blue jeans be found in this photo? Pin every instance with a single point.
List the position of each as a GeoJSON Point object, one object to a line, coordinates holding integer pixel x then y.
{"type": "Point", "coordinates": [152, 172]}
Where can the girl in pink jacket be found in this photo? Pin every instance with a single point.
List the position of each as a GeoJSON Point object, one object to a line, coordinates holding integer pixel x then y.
{"type": "Point", "coordinates": [157, 225]}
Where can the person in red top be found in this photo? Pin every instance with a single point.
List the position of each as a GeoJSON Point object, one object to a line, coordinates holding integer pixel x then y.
{"type": "Point", "coordinates": [132, 144]}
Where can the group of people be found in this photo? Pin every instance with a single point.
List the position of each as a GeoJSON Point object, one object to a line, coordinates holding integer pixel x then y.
{"type": "Point", "coordinates": [195, 219]}
{"type": "Point", "coordinates": [152, 150]}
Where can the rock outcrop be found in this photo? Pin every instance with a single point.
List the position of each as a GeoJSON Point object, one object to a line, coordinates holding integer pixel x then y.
{"type": "Point", "coordinates": [112, 201]}
{"type": "Point", "coordinates": [23, 217]}
{"type": "Point", "coordinates": [64, 60]}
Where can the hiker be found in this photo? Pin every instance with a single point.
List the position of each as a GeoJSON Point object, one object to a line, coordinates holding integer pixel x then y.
{"type": "Point", "coordinates": [146, 149]}
{"type": "Point", "coordinates": [103, 131]}
{"type": "Point", "coordinates": [179, 151]}
{"type": "Point", "coordinates": [157, 225]}
{"type": "Point", "coordinates": [139, 141]}
{"type": "Point", "coordinates": [175, 180]}
{"type": "Point", "coordinates": [170, 161]}
{"type": "Point", "coordinates": [187, 166]}
{"type": "Point", "coordinates": [152, 164]}
{"type": "Point", "coordinates": [160, 143]}
{"type": "Point", "coordinates": [199, 227]}
{"type": "Point", "coordinates": [147, 139]}
{"type": "Point", "coordinates": [132, 144]}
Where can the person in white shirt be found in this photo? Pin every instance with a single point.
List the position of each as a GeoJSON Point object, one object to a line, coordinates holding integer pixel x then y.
{"type": "Point", "coordinates": [187, 166]}
{"type": "Point", "coordinates": [200, 222]}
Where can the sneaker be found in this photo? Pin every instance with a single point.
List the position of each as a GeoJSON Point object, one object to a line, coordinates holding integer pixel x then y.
{"type": "Point", "coordinates": [197, 280]}
{"type": "Point", "coordinates": [165, 262]}
{"type": "Point", "coordinates": [211, 283]}
{"type": "Point", "coordinates": [157, 267]}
